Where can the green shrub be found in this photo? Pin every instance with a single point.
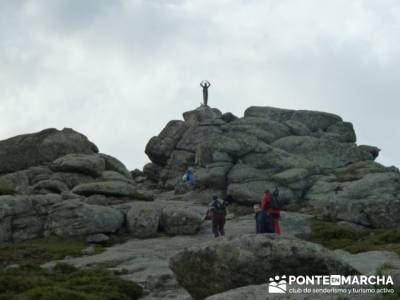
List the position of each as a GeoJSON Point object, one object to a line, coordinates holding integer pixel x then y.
{"type": "Point", "coordinates": [52, 293]}
{"type": "Point", "coordinates": [39, 251]}
{"type": "Point", "coordinates": [65, 268]}
{"type": "Point", "coordinates": [5, 191]}
{"type": "Point", "coordinates": [141, 196]}
{"type": "Point", "coordinates": [335, 236]}
{"type": "Point", "coordinates": [65, 283]}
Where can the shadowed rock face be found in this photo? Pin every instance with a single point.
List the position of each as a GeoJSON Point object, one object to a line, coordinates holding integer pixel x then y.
{"type": "Point", "coordinates": [160, 147]}
{"type": "Point", "coordinates": [24, 151]}
{"type": "Point", "coordinates": [311, 156]}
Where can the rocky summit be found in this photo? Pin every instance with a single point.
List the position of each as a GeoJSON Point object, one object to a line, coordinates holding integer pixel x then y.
{"type": "Point", "coordinates": [341, 214]}
{"type": "Point", "coordinates": [311, 156]}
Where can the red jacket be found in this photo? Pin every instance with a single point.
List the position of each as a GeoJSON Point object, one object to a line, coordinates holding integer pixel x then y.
{"type": "Point", "coordinates": [264, 205]}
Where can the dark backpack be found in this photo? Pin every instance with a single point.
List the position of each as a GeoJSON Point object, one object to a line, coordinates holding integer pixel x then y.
{"type": "Point", "coordinates": [275, 201]}
{"type": "Point", "coordinates": [219, 207]}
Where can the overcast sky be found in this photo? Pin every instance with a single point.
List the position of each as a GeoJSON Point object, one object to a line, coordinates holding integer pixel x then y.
{"type": "Point", "coordinates": [118, 71]}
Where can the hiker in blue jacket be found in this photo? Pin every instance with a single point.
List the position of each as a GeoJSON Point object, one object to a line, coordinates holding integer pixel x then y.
{"type": "Point", "coordinates": [188, 176]}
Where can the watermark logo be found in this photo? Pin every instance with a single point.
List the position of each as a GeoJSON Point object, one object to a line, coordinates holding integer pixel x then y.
{"type": "Point", "coordinates": [277, 285]}
{"type": "Point", "coordinates": [330, 284]}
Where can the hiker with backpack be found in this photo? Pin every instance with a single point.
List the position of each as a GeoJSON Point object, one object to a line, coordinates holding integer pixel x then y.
{"type": "Point", "coordinates": [217, 213]}
{"type": "Point", "coordinates": [272, 205]}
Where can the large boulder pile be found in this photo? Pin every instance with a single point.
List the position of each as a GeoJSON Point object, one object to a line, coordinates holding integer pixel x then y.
{"type": "Point", "coordinates": [70, 189]}
{"type": "Point", "coordinates": [311, 156]}
{"type": "Point", "coordinates": [56, 183]}
{"type": "Point", "coordinates": [223, 265]}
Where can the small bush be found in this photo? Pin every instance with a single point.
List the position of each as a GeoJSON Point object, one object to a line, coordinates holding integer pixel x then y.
{"type": "Point", "coordinates": [141, 196]}
{"type": "Point", "coordinates": [240, 210]}
{"type": "Point", "coordinates": [65, 268]}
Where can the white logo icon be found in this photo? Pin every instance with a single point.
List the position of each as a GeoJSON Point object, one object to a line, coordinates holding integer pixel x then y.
{"type": "Point", "coordinates": [335, 280]}
{"type": "Point", "coordinates": [277, 285]}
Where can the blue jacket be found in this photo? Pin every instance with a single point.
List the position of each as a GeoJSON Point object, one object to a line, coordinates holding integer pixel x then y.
{"type": "Point", "coordinates": [189, 176]}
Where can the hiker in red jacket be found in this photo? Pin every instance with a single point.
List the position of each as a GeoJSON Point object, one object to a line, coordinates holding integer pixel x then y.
{"type": "Point", "coordinates": [272, 208]}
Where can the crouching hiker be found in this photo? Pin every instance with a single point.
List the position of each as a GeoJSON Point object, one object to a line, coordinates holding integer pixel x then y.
{"type": "Point", "coordinates": [217, 213]}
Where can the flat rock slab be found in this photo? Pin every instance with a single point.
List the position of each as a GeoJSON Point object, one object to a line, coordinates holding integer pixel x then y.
{"type": "Point", "coordinates": [368, 262]}
{"type": "Point", "coordinates": [146, 260]}
{"type": "Point", "coordinates": [260, 292]}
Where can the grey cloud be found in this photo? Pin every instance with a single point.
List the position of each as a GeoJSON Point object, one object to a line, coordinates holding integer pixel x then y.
{"type": "Point", "coordinates": [118, 71]}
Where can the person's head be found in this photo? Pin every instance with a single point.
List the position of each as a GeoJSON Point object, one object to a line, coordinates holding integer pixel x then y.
{"type": "Point", "coordinates": [190, 169]}
{"type": "Point", "coordinates": [266, 192]}
{"type": "Point", "coordinates": [215, 197]}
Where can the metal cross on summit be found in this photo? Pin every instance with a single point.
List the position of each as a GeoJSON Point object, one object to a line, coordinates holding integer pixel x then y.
{"type": "Point", "coordinates": [205, 85]}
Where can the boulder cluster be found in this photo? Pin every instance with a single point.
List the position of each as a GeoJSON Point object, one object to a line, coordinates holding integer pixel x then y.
{"type": "Point", "coordinates": [56, 183]}
{"type": "Point", "coordinates": [311, 156]}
